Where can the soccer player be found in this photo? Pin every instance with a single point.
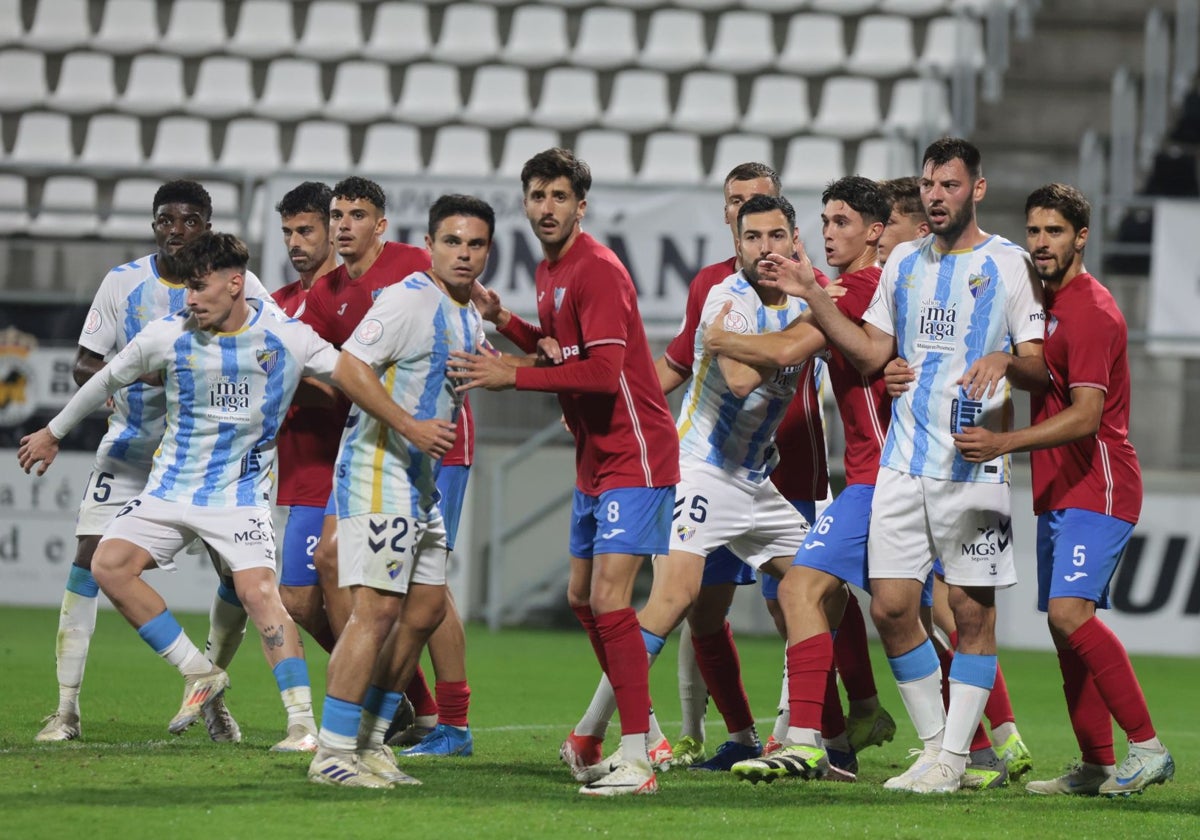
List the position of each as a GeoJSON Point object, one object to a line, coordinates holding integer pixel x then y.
{"type": "Point", "coordinates": [1087, 494]}
{"type": "Point", "coordinates": [906, 221]}
{"type": "Point", "coordinates": [131, 296]}
{"type": "Point", "coordinates": [967, 305]}
{"type": "Point", "coordinates": [392, 547]}
{"type": "Point", "coordinates": [627, 454]}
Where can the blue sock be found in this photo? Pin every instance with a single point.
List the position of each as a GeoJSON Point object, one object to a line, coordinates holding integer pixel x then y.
{"type": "Point", "coordinates": [81, 582]}
{"type": "Point", "coordinates": [290, 673]}
{"type": "Point", "coordinates": [341, 719]}
{"type": "Point", "coordinates": [229, 595]}
{"type": "Point", "coordinates": [161, 631]}
{"type": "Point", "coordinates": [382, 704]}
{"type": "Point", "coordinates": [974, 669]}
{"type": "Point", "coordinates": [918, 663]}
{"type": "Point", "coordinates": [654, 644]}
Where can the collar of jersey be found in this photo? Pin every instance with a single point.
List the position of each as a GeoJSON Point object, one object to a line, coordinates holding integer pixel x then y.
{"type": "Point", "coordinates": [256, 312]}
{"type": "Point", "coordinates": [958, 251]}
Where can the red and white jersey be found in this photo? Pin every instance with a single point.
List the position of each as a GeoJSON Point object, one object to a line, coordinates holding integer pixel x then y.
{"type": "Point", "coordinates": [587, 302]}
{"type": "Point", "coordinates": [1086, 347]}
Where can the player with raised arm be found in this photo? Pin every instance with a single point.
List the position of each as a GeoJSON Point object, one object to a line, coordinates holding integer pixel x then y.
{"type": "Point", "coordinates": [966, 303]}
{"type": "Point", "coordinates": [392, 547]}
{"type": "Point", "coordinates": [627, 453]}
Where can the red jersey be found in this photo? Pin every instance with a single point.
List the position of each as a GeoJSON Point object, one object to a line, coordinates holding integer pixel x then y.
{"type": "Point", "coordinates": [623, 437]}
{"type": "Point", "coordinates": [863, 401]}
{"type": "Point", "coordinates": [1086, 346]}
{"type": "Point", "coordinates": [802, 474]}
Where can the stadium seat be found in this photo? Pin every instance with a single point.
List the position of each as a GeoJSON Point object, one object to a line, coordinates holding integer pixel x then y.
{"type": "Point", "coordinates": [812, 162]}
{"type": "Point", "coordinates": [251, 146]}
{"type": "Point", "coordinates": [499, 97]}
{"type": "Point", "coordinates": [320, 147]}
{"type": "Point", "coordinates": [912, 8]}
{"type": "Point", "coordinates": [154, 86]}
{"type": "Point", "coordinates": [778, 106]}
{"type": "Point", "coordinates": [400, 33]}
{"type": "Point", "coordinates": [43, 138]}
{"type": "Point", "coordinates": [390, 149]}
{"type": "Point", "coordinates": [332, 31]}
{"type": "Point", "coordinates": [520, 144]}
{"type": "Point", "coordinates": [14, 204]}
{"type": "Point", "coordinates": [68, 207]}
{"type": "Point", "coordinates": [639, 101]}
{"type": "Point", "coordinates": [58, 25]}
{"type": "Point", "coordinates": [919, 107]}
{"type": "Point", "coordinates": [675, 40]}
{"type": "Point", "coordinates": [11, 29]}
{"type": "Point", "coordinates": [537, 37]}
{"type": "Point", "coordinates": [196, 27]}
{"type": "Point", "coordinates": [815, 45]}
{"type": "Point", "coordinates": [130, 211]}
{"type": "Point", "coordinates": [430, 94]}
{"type": "Point", "coordinates": [127, 27]}
{"type": "Point", "coordinates": [292, 90]}
{"type": "Point", "coordinates": [258, 212]}
{"type": "Point", "coordinates": [880, 158]}
{"type": "Point", "coordinates": [607, 39]}
{"type": "Point", "coordinates": [265, 28]}
{"type": "Point", "coordinates": [461, 151]}
{"type": "Point", "coordinates": [182, 143]}
{"type": "Point", "coordinates": [706, 5]}
{"type": "Point", "coordinates": [734, 149]}
{"type": "Point", "coordinates": [361, 92]}
{"type": "Point", "coordinates": [85, 83]}
{"type": "Point", "coordinates": [22, 80]}
{"type": "Point", "coordinates": [570, 99]}
{"type": "Point", "coordinates": [571, 3]}
{"type": "Point", "coordinates": [636, 4]}
{"type": "Point", "coordinates": [707, 103]}
{"type": "Point", "coordinates": [226, 199]}
{"type": "Point", "coordinates": [845, 8]}
{"type": "Point", "coordinates": [223, 87]}
{"type": "Point", "coordinates": [608, 153]}
{"type": "Point", "coordinates": [671, 157]}
{"type": "Point", "coordinates": [470, 35]}
{"type": "Point", "coordinates": [883, 46]}
{"type": "Point", "coordinates": [789, 6]}
{"type": "Point", "coordinates": [849, 108]}
{"type": "Point", "coordinates": [113, 140]}
{"type": "Point", "coordinates": [744, 43]}
{"type": "Point", "coordinates": [952, 42]}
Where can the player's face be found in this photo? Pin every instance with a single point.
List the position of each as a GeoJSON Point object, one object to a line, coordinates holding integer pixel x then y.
{"type": "Point", "coordinates": [762, 234]}
{"type": "Point", "coordinates": [949, 196]}
{"type": "Point", "coordinates": [356, 225]}
{"type": "Point", "coordinates": [553, 210]}
{"type": "Point", "coordinates": [175, 225]}
{"type": "Point", "coordinates": [211, 298]}
{"type": "Point", "coordinates": [845, 232]}
{"type": "Point", "coordinates": [1056, 247]}
{"type": "Point", "coordinates": [900, 227]}
{"type": "Point", "coordinates": [306, 237]}
{"type": "Point", "coordinates": [738, 193]}
{"type": "Point", "coordinates": [459, 249]}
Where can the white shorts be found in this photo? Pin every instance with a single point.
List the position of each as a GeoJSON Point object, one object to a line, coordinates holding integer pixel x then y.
{"type": "Point", "coordinates": [237, 538]}
{"type": "Point", "coordinates": [916, 519]}
{"type": "Point", "coordinates": [714, 509]}
{"type": "Point", "coordinates": [109, 488]}
{"type": "Point", "coordinates": [388, 551]}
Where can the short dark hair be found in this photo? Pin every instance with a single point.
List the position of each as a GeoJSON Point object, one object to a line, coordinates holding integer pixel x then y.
{"type": "Point", "coordinates": [865, 197]}
{"type": "Point", "coordinates": [308, 197]}
{"type": "Point", "coordinates": [752, 171]}
{"type": "Point", "coordinates": [765, 204]}
{"type": "Point", "coordinates": [1064, 198]}
{"type": "Point", "coordinates": [942, 151]}
{"type": "Point", "coordinates": [354, 188]}
{"type": "Point", "coordinates": [209, 252]}
{"type": "Point", "coordinates": [556, 163]}
{"type": "Point", "coordinates": [457, 204]}
{"type": "Point", "coordinates": [904, 195]}
{"type": "Point", "coordinates": [183, 191]}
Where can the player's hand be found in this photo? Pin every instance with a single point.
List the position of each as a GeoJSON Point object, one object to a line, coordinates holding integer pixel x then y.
{"type": "Point", "coordinates": [433, 437]}
{"type": "Point", "coordinates": [549, 352]}
{"type": "Point", "coordinates": [897, 376]}
{"type": "Point", "coordinates": [487, 301]}
{"type": "Point", "coordinates": [835, 289]}
{"type": "Point", "coordinates": [715, 332]}
{"type": "Point", "coordinates": [985, 375]}
{"type": "Point", "coordinates": [978, 444]}
{"type": "Point", "coordinates": [562, 419]}
{"type": "Point", "coordinates": [475, 370]}
{"type": "Point", "coordinates": [792, 277]}
{"type": "Point", "coordinates": [41, 446]}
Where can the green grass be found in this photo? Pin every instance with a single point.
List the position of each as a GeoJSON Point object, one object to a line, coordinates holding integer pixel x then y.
{"type": "Point", "coordinates": [127, 778]}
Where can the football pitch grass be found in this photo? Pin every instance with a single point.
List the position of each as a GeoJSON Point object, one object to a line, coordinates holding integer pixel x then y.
{"type": "Point", "coordinates": [126, 777]}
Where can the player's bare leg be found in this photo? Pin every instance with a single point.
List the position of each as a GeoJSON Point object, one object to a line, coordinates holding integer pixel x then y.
{"type": "Point", "coordinates": [448, 652]}
{"type": "Point", "coordinates": [338, 601]}
{"type": "Point", "coordinates": [306, 606]}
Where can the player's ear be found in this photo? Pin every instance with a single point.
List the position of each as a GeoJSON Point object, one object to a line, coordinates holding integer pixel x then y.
{"type": "Point", "coordinates": [581, 210]}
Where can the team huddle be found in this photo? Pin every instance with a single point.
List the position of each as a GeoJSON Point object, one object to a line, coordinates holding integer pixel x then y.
{"type": "Point", "coordinates": [216, 385]}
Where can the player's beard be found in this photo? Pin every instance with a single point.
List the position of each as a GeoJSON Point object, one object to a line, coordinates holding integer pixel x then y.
{"type": "Point", "coordinates": [955, 223]}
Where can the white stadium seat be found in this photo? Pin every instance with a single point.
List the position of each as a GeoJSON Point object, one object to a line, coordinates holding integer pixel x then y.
{"type": "Point", "coordinates": [461, 151]}
{"type": "Point", "coordinates": [252, 146]}
{"type": "Point", "coordinates": [68, 207]}
{"type": "Point", "coordinates": [881, 158]}
{"type": "Point", "coordinates": [14, 204]}
{"type": "Point", "coordinates": [265, 28]}
{"type": "Point", "coordinates": [292, 90]}
{"type": "Point", "coordinates": [85, 83]}
{"type": "Point", "coordinates": [883, 46]}
{"type": "Point", "coordinates": [812, 162]}
{"type": "Point", "coordinates": [951, 42]}
{"type": "Point", "coordinates": [332, 31]}
{"type": "Point", "coordinates": [707, 103]}
{"type": "Point", "coordinates": [919, 107]}
{"type": "Point", "coordinates": [608, 153]}
{"type": "Point", "coordinates": [400, 33]}
{"type": "Point", "coordinates": [607, 39]}
{"type": "Point", "coordinates": [196, 27]}
{"type": "Point", "coordinates": [671, 157]}
{"type": "Point", "coordinates": [59, 25]}
{"type": "Point", "coordinates": [182, 143]}
{"type": "Point", "coordinates": [744, 42]}
{"type": "Point", "coordinates": [131, 209]}
{"type": "Point", "coordinates": [639, 101]}
{"type": "Point", "coordinates": [570, 99]}
{"type": "Point", "coordinates": [361, 92]}
{"type": "Point", "coordinates": [849, 108]}
{"type": "Point", "coordinates": [675, 40]}
{"type": "Point", "coordinates": [155, 85]}
{"type": "Point", "coordinates": [112, 140]}
{"type": "Point", "coordinates": [778, 106]}
{"type": "Point", "coordinates": [499, 97]}
{"type": "Point", "coordinates": [22, 80]}
{"type": "Point", "coordinates": [43, 138]}
{"type": "Point", "coordinates": [538, 37]}
{"type": "Point", "coordinates": [11, 30]}
{"type": "Point", "coordinates": [321, 147]}
{"type": "Point", "coordinates": [470, 35]}
{"type": "Point", "coordinates": [223, 87]}
{"type": "Point", "coordinates": [522, 143]}
{"type": "Point", "coordinates": [390, 149]}
{"type": "Point", "coordinates": [735, 149]}
{"type": "Point", "coordinates": [128, 27]}
{"type": "Point", "coordinates": [815, 45]}
{"type": "Point", "coordinates": [429, 95]}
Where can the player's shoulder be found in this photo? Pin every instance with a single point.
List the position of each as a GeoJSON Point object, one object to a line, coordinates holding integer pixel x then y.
{"type": "Point", "coordinates": [405, 258]}
{"type": "Point", "coordinates": [1005, 250]}
{"type": "Point", "coordinates": [130, 274]}
{"type": "Point", "coordinates": [1088, 299]}
{"type": "Point", "coordinates": [599, 258]}
{"type": "Point", "coordinates": [716, 272]}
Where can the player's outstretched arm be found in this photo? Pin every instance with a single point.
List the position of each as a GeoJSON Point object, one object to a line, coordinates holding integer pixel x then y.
{"type": "Point", "coordinates": [358, 381]}
{"type": "Point", "coordinates": [1081, 419]}
{"type": "Point", "coordinates": [790, 346]}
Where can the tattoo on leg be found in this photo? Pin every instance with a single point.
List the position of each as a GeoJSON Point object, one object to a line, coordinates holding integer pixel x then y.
{"type": "Point", "coordinates": [273, 636]}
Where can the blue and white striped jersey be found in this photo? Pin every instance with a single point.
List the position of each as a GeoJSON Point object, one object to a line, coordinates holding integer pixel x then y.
{"type": "Point", "coordinates": [947, 310]}
{"type": "Point", "coordinates": [734, 433]}
{"type": "Point", "coordinates": [406, 337]}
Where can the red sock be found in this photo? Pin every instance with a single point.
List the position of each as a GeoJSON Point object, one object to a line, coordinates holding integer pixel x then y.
{"type": "Point", "coordinates": [980, 741]}
{"type": "Point", "coordinates": [1112, 672]}
{"type": "Point", "coordinates": [1089, 715]}
{"type": "Point", "coordinates": [717, 659]}
{"type": "Point", "coordinates": [418, 694]}
{"type": "Point", "coordinates": [809, 663]}
{"type": "Point", "coordinates": [833, 721]}
{"type": "Point", "coordinates": [453, 699]}
{"type": "Point", "coordinates": [999, 707]}
{"type": "Point", "coordinates": [584, 614]}
{"type": "Point", "coordinates": [851, 654]}
{"type": "Point", "coordinates": [628, 669]}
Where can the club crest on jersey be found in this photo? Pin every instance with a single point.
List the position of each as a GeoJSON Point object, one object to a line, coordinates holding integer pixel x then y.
{"type": "Point", "coordinates": [685, 532]}
{"type": "Point", "coordinates": [559, 294]}
{"type": "Point", "coordinates": [977, 283]}
{"type": "Point", "coordinates": [267, 359]}
{"type": "Point", "coordinates": [369, 331]}
{"type": "Point", "coordinates": [394, 568]}
{"type": "Point", "coordinates": [1051, 326]}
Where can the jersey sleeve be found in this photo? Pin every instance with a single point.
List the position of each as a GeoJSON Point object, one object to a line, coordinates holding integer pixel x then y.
{"type": "Point", "coordinates": [681, 352]}
{"type": "Point", "coordinates": [741, 318]}
{"type": "Point", "coordinates": [1091, 348]}
{"type": "Point", "coordinates": [1026, 318]}
{"type": "Point", "coordinates": [389, 328]}
{"type": "Point", "coordinates": [879, 312]}
{"type": "Point", "coordinates": [316, 354]}
{"type": "Point", "coordinates": [254, 288]}
{"type": "Point", "coordinates": [99, 332]}
{"type": "Point", "coordinates": [603, 305]}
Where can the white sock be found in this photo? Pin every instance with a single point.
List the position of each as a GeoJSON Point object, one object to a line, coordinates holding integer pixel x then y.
{"type": "Point", "coordinates": [371, 730]}
{"type": "Point", "coordinates": [783, 730]}
{"type": "Point", "coordinates": [226, 628]}
{"type": "Point", "coordinates": [962, 718]}
{"type": "Point", "coordinates": [923, 701]}
{"type": "Point", "coordinates": [1154, 745]}
{"type": "Point", "coordinates": [298, 703]}
{"type": "Point", "coordinates": [186, 657]}
{"type": "Point", "coordinates": [76, 626]}
{"type": "Point", "coordinates": [655, 736]}
{"type": "Point", "coordinates": [802, 737]}
{"type": "Point", "coordinates": [747, 736]}
{"type": "Point", "coordinates": [1002, 733]}
{"type": "Point", "coordinates": [633, 748]}
{"type": "Point", "coordinates": [599, 712]}
{"type": "Point", "coordinates": [693, 694]}
{"type": "Point", "coordinates": [782, 726]}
